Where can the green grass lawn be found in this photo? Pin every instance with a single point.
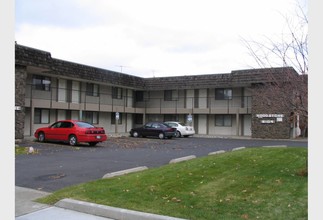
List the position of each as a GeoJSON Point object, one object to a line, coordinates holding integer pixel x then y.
{"type": "Point", "coordinates": [254, 183]}
{"type": "Point", "coordinates": [20, 150]}
{"type": "Point", "coordinates": [24, 150]}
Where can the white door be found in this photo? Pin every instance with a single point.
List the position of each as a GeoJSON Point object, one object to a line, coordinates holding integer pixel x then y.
{"type": "Point", "coordinates": [247, 125]}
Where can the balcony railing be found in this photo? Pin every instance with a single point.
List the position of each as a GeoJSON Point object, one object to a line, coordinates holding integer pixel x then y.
{"type": "Point", "coordinates": [78, 100]}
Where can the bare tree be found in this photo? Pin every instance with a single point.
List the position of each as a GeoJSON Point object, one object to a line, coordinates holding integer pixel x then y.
{"type": "Point", "coordinates": [288, 50]}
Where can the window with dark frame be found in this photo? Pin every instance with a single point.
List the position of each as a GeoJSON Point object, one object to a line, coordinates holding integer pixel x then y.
{"type": "Point", "coordinates": [168, 95]}
{"type": "Point", "coordinates": [139, 96]}
{"type": "Point", "coordinates": [41, 116]}
{"type": "Point", "coordinates": [223, 120]}
{"type": "Point", "coordinates": [91, 117]}
{"type": "Point", "coordinates": [41, 82]}
{"type": "Point", "coordinates": [196, 98]}
{"type": "Point", "coordinates": [223, 94]}
{"type": "Point", "coordinates": [170, 117]}
{"type": "Point", "coordinates": [139, 119]}
{"type": "Point", "coordinates": [68, 114]}
{"type": "Point", "coordinates": [116, 93]}
{"type": "Point", "coordinates": [92, 89]}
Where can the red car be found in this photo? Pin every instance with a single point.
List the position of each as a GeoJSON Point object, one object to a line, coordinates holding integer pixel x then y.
{"type": "Point", "coordinates": [71, 131]}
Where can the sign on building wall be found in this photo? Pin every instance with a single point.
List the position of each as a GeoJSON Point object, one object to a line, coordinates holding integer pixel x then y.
{"type": "Point", "coordinates": [117, 115]}
{"type": "Point", "coordinates": [270, 118]}
{"type": "Point", "coordinates": [189, 118]}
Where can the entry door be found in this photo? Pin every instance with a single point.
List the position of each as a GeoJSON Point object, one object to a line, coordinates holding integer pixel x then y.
{"type": "Point", "coordinates": [196, 123]}
{"type": "Point", "coordinates": [246, 125]}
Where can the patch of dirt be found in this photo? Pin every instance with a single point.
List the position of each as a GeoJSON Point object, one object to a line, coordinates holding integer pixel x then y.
{"type": "Point", "coordinates": [130, 142]}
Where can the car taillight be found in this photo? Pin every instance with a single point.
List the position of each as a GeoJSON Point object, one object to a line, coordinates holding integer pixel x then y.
{"type": "Point", "coordinates": [94, 131]}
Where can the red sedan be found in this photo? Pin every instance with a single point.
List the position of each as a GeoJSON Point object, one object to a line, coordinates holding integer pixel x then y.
{"type": "Point", "coordinates": [71, 131]}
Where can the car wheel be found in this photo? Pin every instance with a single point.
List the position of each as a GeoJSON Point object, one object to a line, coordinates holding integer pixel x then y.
{"type": "Point", "coordinates": [161, 135]}
{"type": "Point", "coordinates": [178, 134]}
{"type": "Point", "coordinates": [41, 136]}
{"type": "Point", "coordinates": [135, 134]}
{"type": "Point", "coordinates": [72, 140]}
{"type": "Point", "coordinates": [93, 143]}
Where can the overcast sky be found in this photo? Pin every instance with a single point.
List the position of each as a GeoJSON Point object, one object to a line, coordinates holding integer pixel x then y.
{"type": "Point", "coordinates": [151, 37]}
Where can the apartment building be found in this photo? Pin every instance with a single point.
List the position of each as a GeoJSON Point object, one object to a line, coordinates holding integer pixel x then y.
{"type": "Point", "coordinates": [50, 89]}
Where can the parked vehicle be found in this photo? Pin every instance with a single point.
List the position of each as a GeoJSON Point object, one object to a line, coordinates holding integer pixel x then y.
{"type": "Point", "coordinates": [72, 132]}
{"type": "Point", "coordinates": [182, 129]}
{"type": "Point", "coordinates": [157, 129]}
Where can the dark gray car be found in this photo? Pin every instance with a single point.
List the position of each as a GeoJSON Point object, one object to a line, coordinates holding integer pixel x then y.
{"type": "Point", "coordinates": [154, 129]}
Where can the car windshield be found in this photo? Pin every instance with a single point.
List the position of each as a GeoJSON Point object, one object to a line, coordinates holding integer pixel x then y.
{"type": "Point", "coordinates": [84, 125]}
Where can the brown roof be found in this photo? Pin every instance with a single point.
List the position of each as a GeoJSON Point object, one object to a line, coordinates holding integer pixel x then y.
{"type": "Point", "coordinates": [37, 58]}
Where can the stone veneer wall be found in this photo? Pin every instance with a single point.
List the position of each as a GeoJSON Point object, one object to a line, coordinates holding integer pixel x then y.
{"type": "Point", "coordinates": [20, 86]}
{"type": "Point", "coordinates": [276, 130]}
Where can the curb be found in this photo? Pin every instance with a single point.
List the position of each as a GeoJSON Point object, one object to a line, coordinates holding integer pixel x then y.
{"type": "Point", "coordinates": [109, 212]}
{"type": "Point", "coordinates": [276, 146]}
{"type": "Point", "coordinates": [217, 152]}
{"type": "Point", "coordinates": [177, 160]}
{"type": "Point", "coordinates": [123, 172]}
{"type": "Point", "coordinates": [238, 148]}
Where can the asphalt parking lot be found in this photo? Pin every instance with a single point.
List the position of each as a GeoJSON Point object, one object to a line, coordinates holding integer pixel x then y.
{"type": "Point", "coordinates": [56, 165]}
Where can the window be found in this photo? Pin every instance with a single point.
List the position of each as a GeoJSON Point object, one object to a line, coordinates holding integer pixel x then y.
{"type": "Point", "coordinates": [91, 117]}
{"type": "Point", "coordinates": [41, 116]}
{"type": "Point", "coordinates": [156, 125]}
{"type": "Point", "coordinates": [62, 124]}
{"type": "Point", "coordinates": [68, 114]}
{"type": "Point", "coordinates": [92, 89]}
{"type": "Point", "coordinates": [149, 125]}
{"type": "Point", "coordinates": [168, 95]}
{"type": "Point", "coordinates": [139, 119]}
{"type": "Point", "coordinates": [41, 82]}
{"type": "Point", "coordinates": [113, 118]}
{"type": "Point", "coordinates": [116, 93]}
{"type": "Point", "coordinates": [223, 120]}
{"type": "Point", "coordinates": [170, 117]}
{"type": "Point", "coordinates": [139, 96]}
{"type": "Point", "coordinates": [223, 94]}
{"type": "Point", "coordinates": [66, 125]}
{"type": "Point", "coordinates": [196, 98]}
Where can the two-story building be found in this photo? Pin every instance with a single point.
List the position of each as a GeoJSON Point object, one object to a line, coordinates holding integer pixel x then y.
{"type": "Point", "coordinates": [50, 89]}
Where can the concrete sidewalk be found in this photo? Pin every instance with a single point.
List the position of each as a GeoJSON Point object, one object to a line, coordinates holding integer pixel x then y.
{"type": "Point", "coordinates": [27, 209]}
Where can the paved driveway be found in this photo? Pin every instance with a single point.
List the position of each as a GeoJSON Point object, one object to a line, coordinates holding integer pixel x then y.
{"type": "Point", "coordinates": [55, 166]}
